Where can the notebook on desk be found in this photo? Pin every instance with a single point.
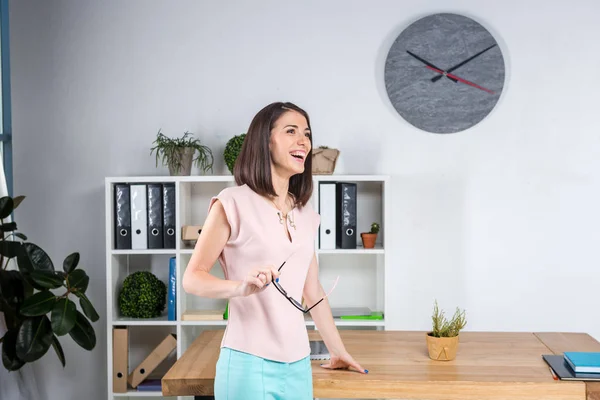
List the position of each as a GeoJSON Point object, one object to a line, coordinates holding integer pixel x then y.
{"type": "Point", "coordinates": [564, 372]}
{"type": "Point", "coordinates": [583, 361]}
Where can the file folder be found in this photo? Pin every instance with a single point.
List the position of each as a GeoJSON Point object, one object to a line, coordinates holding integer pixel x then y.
{"type": "Point", "coordinates": [139, 217]}
{"type": "Point", "coordinates": [155, 216]}
{"type": "Point", "coordinates": [327, 206]}
{"type": "Point", "coordinates": [169, 215]}
{"type": "Point", "coordinates": [120, 358]}
{"type": "Point", "coordinates": [158, 355]}
{"type": "Point", "coordinates": [346, 215]}
{"type": "Point", "coordinates": [122, 216]}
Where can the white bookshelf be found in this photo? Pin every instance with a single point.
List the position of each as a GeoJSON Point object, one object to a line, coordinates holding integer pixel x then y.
{"type": "Point", "coordinates": [362, 271]}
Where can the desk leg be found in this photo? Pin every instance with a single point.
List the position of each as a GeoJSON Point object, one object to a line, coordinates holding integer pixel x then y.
{"type": "Point", "coordinates": [593, 390]}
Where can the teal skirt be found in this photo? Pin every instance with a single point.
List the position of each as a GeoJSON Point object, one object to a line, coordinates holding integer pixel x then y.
{"type": "Point", "coordinates": [241, 376]}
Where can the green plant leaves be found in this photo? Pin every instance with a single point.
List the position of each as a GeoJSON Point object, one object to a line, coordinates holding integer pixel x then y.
{"type": "Point", "coordinates": [8, 227]}
{"type": "Point", "coordinates": [38, 257]}
{"type": "Point", "coordinates": [83, 333]}
{"type": "Point", "coordinates": [10, 248]}
{"type": "Point", "coordinates": [47, 279]}
{"type": "Point", "coordinates": [32, 258]}
{"type": "Point", "coordinates": [79, 280]}
{"type": "Point", "coordinates": [374, 227]}
{"type": "Point", "coordinates": [12, 288]}
{"type": "Point", "coordinates": [34, 338]}
{"type": "Point", "coordinates": [35, 321]}
{"type": "Point", "coordinates": [40, 303]}
{"type": "Point", "coordinates": [442, 327]}
{"type": "Point", "coordinates": [16, 201]}
{"type": "Point", "coordinates": [7, 206]}
{"type": "Point", "coordinates": [59, 350]}
{"type": "Point", "coordinates": [20, 236]}
{"type": "Point", "coordinates": [172, 150]}
{"type": "Point", "coordinates": [63, 316]}
{"type": "Point", "coordinates": [232, 150]}
{"type": "Point", "coordinates": [9, 353]}
{"type": "Point", "coordinates": [142, 295]}
{"type": "Point", "coordinates": [71, 262]}
{"type": "Point", "coordinates": [87, 307]}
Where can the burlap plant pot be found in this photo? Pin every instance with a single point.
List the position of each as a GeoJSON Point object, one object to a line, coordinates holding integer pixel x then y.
{"type": "Point", "coordinates": [324, 160]}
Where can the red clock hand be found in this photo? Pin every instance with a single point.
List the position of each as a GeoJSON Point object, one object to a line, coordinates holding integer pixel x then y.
{"type": "Point", "coordinates": [435, 78]}
{"type": "Point", "coordinates": [459, 79]}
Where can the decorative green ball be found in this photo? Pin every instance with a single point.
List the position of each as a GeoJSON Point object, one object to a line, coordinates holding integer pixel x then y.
{"type": "Point", "coordinates": [143, 295]}
{"type": "Point", "coordinates": [232, 150]}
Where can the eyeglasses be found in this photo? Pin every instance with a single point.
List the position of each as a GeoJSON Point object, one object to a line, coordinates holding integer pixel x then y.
{"type": "Point", "coordinates": [295, 302]}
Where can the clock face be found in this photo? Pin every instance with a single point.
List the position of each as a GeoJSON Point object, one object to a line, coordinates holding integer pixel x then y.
{"type": "Point", "coordinates": [444, 73]}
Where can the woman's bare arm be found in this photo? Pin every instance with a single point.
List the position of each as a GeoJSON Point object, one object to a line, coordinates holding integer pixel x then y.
{"type": "Point", "coordinates": [197, 279]}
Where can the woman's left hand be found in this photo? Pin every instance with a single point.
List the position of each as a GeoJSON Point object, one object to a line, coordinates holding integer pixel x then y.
{"type": "Point", "coordinates": [344, 361]}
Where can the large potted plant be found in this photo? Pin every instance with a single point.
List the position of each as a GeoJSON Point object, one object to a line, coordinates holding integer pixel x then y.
{"type": "Point", "coordinates": [179, 154]}
{"type": "Point", "coordinates": [36, 300]}
{"type": "Point", "coordinates": [443, 339]}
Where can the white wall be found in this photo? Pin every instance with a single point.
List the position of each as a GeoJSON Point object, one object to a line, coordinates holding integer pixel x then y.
{"type": "Point", "coordinates": [501, 219]}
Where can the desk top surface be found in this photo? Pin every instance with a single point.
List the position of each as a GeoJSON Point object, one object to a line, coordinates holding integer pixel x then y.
{"type": "Point", "coordinates": [488, 365]}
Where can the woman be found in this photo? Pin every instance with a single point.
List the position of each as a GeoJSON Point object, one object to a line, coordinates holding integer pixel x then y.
{"type": "Point", "coordinates": [263, 231]}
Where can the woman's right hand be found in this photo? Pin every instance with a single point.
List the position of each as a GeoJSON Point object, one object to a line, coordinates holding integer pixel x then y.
{"type": "Point", "coordinates": [257, 280]}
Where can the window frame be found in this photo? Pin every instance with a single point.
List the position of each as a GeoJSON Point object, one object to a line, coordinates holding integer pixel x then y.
{"type": "Point", "coordinates": [5, 116]}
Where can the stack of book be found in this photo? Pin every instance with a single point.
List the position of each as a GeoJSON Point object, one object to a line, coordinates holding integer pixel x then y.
{"type": "Point", "coordinates": [575, 365]}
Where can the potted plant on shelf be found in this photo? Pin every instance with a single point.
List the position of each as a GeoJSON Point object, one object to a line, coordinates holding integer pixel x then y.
{"type": "Point", "coordinates": [178, 154]}
{"type": "Point", "coordinates": [368, 238]}
{"type": "Point", "coordinates": [142, 295]}
{"type": "Point", "coordinates": [442, 341]}
{"type": "Point", "coordinates": [32, 316]}
{"type": "Point", "coordinates": [232, 150]}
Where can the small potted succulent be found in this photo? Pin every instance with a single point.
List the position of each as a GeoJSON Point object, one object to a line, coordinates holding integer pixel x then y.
{"type": "Point", "coordinates": [178, 154]}
{"type": "Point", "coordinates": [442, 341]}
{"type": "Point", "coordinates": [232, 150]}
{"type": "Point", "coordinates": [368, 238]}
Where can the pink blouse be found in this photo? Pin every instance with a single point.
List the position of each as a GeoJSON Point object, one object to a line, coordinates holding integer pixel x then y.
{"type": "Point", "coordinates": [266, 324]}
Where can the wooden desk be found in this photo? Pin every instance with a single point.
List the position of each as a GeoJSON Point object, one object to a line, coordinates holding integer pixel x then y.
{"type": "Point", "coordinates": [489, 365]}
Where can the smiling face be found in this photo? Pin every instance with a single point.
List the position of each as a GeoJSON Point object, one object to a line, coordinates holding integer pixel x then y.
{"type": "Point", "coordinates": [289, 144]}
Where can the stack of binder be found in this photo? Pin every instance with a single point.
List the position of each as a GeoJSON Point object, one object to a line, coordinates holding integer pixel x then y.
{"type": "Point", "coordinates": [144, 216]}
{"type": "Point", "coordinates": [337, 207]}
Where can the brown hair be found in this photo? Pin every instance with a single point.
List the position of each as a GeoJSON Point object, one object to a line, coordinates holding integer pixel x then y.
{"type": "Point", "coordinates": [253, 164]}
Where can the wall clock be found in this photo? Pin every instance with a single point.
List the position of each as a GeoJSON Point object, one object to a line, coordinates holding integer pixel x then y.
{"type": "Point", "coordinates": [444, 73]}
